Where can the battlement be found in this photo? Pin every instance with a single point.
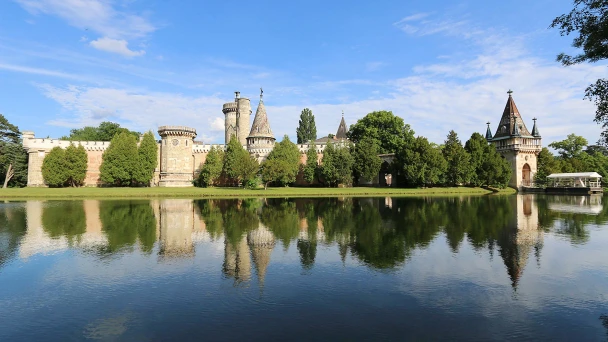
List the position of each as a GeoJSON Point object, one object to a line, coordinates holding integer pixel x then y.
{"type": "Point", "coordinates": [30, 142]}
{"type": "Point", "coordinates": [205, 148]}
{"type": "Point", "coordinates": [229, 107]}
{"type": "Point", "coordinates": [319, 147]}
{"type": "Point", "coordinates": [176, 131]}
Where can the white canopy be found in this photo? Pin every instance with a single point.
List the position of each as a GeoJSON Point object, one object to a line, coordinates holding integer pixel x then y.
{"type": "Point", "coordinates": [575, 175]}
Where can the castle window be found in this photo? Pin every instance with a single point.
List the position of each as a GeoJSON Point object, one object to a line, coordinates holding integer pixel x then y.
{"type": "Point", "coordinates": [503, 129]}
{"type": "Point", "coordinates": [186, 142]}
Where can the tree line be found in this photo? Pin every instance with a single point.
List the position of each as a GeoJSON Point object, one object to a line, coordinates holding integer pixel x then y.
{"type": "Point", "coordinates": [13, 158]}
{"type": "Point", "coordinates": [573, 155]}
{"type": "Point", "coordinates": [124, 163]}
{"type": "Point", "coordinates": [356, 161]}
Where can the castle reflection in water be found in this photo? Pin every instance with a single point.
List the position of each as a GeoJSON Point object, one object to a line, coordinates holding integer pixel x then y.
{"type": "Point", "coordinates": [382, 233]}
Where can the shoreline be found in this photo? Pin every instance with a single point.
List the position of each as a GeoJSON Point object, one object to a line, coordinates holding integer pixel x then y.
{"type": "Point", "coordinates": [206, 193]}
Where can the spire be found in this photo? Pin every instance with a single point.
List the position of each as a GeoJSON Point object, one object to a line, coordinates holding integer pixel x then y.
{"type": "Point", "coordinates": [511, 118]}
{"type": "Point", "coordinates": [488, 132]}
{"type": "Point", "coordinates": [341, 134]}
{"type": "Point", "coordinates": [261, 126]}
{"type": "Point", "coordinates": [535, 130]}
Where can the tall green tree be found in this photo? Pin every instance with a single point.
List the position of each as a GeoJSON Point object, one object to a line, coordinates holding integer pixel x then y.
{"type": "Point", "coordinates": [287, 165]}
{"type": "Point", "coordinates": [307, 129]}
{"type": "Point", "coordinates": [119, 161]}
{"type": "Point", "coordinates": [312, 165]}
{"type": "Point", "coordinates": [55, 167]}
{"type": "Point", "coordinates": [212, 167]}
{"type": "Point", "coordinates": [8, 131]}
{"type": "Point", "coordinates": [272, 170]}
{"type": "Point", "coordinates": [239, 166]}
{"type": "Point", "coordinates": [423, 163]}
{"type": "Point", "coordinates": [588, 20]}
{"type": "Point", "coordinates": [571, 147]}
{"type": "Point", "coordinates": [388, 131]}
{"type": "Point", "coordinates": [366, 163]}
{"type": "Point", "coordinates": [13, 158]}
{"type": "Point", "coordinates": [546, 165]}
{"type": "Point", "coordinates": [147, 153]}
{"type": "Point", "coordinates": [476, 147]}
{"type": "Point", "coordinates": [337, 165]}
{"type": "Point", "coordinates": [495, 170]}
{"type": "Point", "coordinates": [104, 132]}
{"type": "Point", "coordinates": [458, 170]}
{"type": "Point", "coordinates": [76, 165]}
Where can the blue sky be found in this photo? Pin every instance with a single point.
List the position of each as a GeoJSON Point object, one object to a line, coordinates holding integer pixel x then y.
{"type": "Point", "coordinates": [440, 65]}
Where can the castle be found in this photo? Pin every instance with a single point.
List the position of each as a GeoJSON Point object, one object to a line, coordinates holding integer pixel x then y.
{"type": "Point", "coordinates": [180, 156]}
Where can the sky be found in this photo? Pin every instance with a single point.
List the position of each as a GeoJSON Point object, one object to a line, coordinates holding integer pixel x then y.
{"type": "Point", "coordinates": [439, 65]}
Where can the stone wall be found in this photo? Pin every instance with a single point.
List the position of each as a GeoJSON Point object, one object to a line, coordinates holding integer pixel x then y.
{"type": "Point", "coordinates": [183, 160]}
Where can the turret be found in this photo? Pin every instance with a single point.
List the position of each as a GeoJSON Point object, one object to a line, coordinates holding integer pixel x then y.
{"type": "Point", "coordinates": [341, 133]}
{"type": "Point", "coordinates": [261, 139]}
{"type": "Point", "coordinates": [488, 132]}
{"type": "Point", "coordinates": [535, 130]}
{"type": "Point", "coordinates": [176, 160]}
{"type": "Point", "coordinates": [519, 147]}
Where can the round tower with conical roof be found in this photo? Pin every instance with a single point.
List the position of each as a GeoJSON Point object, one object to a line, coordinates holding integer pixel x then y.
{"type": "Point", "coordinates": [261, 139]}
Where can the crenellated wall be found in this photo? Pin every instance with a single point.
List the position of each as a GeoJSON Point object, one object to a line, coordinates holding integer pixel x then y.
{"type": "Point", "coordinates": [183, 160]}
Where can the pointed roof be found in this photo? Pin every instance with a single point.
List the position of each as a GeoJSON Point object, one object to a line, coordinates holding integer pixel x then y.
{"type": "Point", "coordinates": [535, 130]}
{"type": "Point", "coordinates": [262, 242]}
{"type": "Point", "coordinates": [511, 123]}
{"type": "Point", "coordinates": [488, 132]}
{"type": "Point", "coordinates": [341, 134]}
{"type": "Point", "coordinates": [261, 126]}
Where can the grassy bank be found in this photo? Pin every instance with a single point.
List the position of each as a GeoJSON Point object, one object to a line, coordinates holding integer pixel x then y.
{"type": "Point", "coordinates": [67, 193]}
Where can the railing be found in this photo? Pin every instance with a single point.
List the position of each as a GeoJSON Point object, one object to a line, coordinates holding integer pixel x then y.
{"type": "Point", "coordinates": [527, 182]}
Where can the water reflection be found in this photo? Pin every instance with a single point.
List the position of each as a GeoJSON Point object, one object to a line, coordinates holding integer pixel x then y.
{"type": "Point", "coordinates": [146, 269]}
{"type": "Point", "coordinates": [382, 233]}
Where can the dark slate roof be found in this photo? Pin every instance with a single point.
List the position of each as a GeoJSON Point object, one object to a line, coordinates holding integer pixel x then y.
{"type": "Point", "coordinates": [341, 134]}
{"type": "Point", "coordinates": [535, 130]}
{"type": "Point", "coordinates": [261, 126]}
{"type": "Point", "coordinates": [488, 133]}
{"type": "Point", "coordinates": [511, 123]}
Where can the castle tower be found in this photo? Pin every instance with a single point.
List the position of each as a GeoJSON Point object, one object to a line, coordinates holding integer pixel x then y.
{"type": "Point", "coordinates": [237, 116]}
{"type": "Point", "coordinates": [514, 142]}
{"type": "Point", "coordinates": [261, 139]}
{"type": "Point", "coordinates": [176, 160]}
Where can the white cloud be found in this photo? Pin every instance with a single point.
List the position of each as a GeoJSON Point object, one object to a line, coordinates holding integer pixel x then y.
{"type": "Point", "coordinates": [96, 15]}
{"type": "Point", "coordinates": [413, 17]}
{"type": "Point", "coordinates": [217, 124]}
{"type": "Point", "coordinates": [118, 46]}
{"type": "Point", "coordinates": [135, 109]}
{"type": "Point", "coordinates": [373, 66]}
{"type": "Point", "coordinates": [460, 92]}
{"type": "Point", "coordinates": [38, 71]}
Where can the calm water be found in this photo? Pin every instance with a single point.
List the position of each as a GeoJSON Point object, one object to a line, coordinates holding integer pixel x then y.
{"type": "Point", "coordinates": [475, 268]}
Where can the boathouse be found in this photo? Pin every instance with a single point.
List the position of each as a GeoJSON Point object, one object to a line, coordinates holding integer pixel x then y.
{"type": "Point", "coordinates": [575, 183]}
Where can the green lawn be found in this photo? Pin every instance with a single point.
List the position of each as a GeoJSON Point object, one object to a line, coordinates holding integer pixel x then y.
{"type": "Point", "coordinates": [66, 193]}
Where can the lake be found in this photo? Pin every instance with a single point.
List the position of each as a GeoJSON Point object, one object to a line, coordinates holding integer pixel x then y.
{"type": "Point", "coordinates": [520, 267]}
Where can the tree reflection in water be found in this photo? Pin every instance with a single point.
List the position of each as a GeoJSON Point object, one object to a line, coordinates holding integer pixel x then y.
{"type": "Point", "coordinates": [382, 233]}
